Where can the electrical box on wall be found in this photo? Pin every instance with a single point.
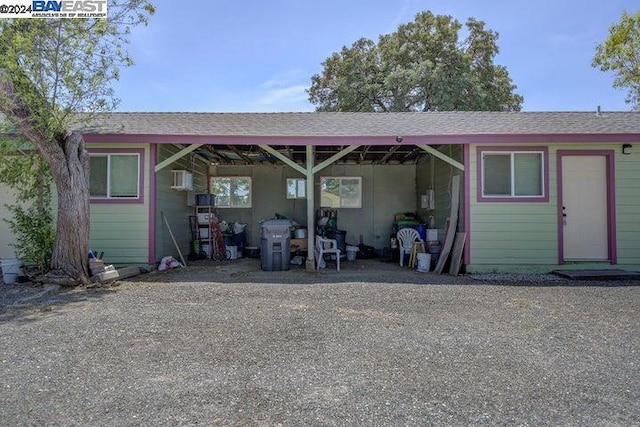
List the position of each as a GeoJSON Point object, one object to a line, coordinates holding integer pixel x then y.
{"type": "Point", "coordinates": [427, 201]}
{"type": "Point", "coordinates": [182, 180]}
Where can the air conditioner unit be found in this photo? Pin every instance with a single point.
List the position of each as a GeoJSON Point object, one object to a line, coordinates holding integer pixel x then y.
{"type": "Point", "coordinates": [182, 180]}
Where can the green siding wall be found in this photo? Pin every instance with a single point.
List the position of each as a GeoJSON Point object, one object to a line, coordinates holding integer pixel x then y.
{"type": "Point", "coordinates": [7, 197]}
{"type": "Point", "coordinates": [122, 230]}
{"type": "Point", "coordinates": [524, 236]}
{"type": "Point", "coordinates": [628, 205]}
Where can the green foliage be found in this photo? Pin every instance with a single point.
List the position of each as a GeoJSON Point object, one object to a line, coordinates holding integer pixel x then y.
{"type": "Point", "coordinates": [35, 234]}
{"type": "Point", "coordinates": [422, 66]}
{"type": "Point", "coordinates": [24, 170]}
{"type": "Point", "coordinates": [62, 66]}
{"type": "Point", "coordinates": [51, 70]}
{"type": "Point", "coordinates": [32, 218]}
{"type": "Point", "coordinates": [620, 53]}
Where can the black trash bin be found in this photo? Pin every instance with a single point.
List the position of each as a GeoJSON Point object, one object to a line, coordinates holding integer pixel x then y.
{"type": "Point", "coordinates": [275, 244]}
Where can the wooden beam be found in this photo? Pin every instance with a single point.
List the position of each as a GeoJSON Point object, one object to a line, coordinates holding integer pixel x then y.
{"type": "Point", "coordinates": [180, 154]}
{"type": "Point", "coordinates": [334, 158]}
{"type": "Point", "coordinates": [456, 255]}
{"type": "Point", "coordinates": [363, 154]}
{"type": "Point", "coordinates": [389, 154]}
{"type": "Point", "coordinates": [442, 156]}
{"type": "Point", "coordinates": [241, 155]}
{"type": "Point", "coordinates": [269, 156]}
{"type": "Point", "coordinates": [311, 215]}
{"type": "Point", "coordinates": [284, 158]}
{"type": "Point", "coordinates": [453, 223]}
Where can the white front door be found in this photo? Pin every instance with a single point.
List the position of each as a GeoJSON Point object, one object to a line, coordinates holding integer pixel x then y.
{"type": "Point", "coordinates": [584, 208]}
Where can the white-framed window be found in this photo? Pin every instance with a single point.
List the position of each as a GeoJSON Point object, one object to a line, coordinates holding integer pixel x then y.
{"type": "Point", "coordinates": [232, 191]}
{"type": "Point", "coordinates": [296, 188]}
{"type": "Point", "coordinates": [517, 174]}
{"type": "Point", "coordinates": [341, 192]}
{"type": "Point", "coordinates": [114, 176]}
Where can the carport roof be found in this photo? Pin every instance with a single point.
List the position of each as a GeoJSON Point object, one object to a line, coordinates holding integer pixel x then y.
{"type": "Point", "coordinates": [240, 138]}
{"type": "Point", "coordinates": [323, 125]}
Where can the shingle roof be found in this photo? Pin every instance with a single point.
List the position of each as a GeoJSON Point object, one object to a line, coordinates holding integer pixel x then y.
{"type": "Point", "coordinates": [366, 124]}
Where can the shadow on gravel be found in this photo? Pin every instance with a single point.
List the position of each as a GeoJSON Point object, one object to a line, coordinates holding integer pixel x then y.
{"type": "Point", "coordinates": [28, 303]}
{"type": "Point", "coordinates": [248, 270]}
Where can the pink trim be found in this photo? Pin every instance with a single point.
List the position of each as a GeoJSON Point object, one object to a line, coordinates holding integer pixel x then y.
{"type": "Point", "coordinates": [508, 139]}
{"type": "Point", "coordinates": [467, 203]}
{"type": "Point", "coordinates": [153, 158]}
{"type": "Point", "coordinates": [612, 243]}
{"type": "Point", "coordinates": [480, 181]}
{"type": "Point", "coordinates": [114, 200]}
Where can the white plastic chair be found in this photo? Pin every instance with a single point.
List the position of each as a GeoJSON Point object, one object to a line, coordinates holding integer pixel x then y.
{"type": "Point", "coordinates": [324, 247]}
{"type": "Point", "coordinates": [406, 237]}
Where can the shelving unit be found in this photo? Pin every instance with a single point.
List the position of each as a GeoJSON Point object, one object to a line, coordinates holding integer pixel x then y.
{"type": "Point", "coordinates": [204, 233]}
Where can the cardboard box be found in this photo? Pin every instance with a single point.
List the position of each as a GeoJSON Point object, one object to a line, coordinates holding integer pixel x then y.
{"type": "Point", "coordinates": [96, 266]}
{"type": "Point", "coordinates": [299, 245]}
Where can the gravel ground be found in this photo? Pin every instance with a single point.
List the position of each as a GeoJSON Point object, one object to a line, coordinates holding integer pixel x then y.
{"type": "Point", "coordinates": [229, 345]}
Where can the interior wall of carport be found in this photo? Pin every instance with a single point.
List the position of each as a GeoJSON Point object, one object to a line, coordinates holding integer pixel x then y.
{"type": "Point", "coordinates": [434, 173]}
{"type": "Point", "coordinates": [386, 190]}
{"type": "Point", "coordinates": [177, 205]}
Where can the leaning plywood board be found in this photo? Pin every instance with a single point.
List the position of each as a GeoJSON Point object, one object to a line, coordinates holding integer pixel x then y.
{"type": "Point", "coordinates": [456, 255]}
{"type": "Point", "coordinates": [451, 232]}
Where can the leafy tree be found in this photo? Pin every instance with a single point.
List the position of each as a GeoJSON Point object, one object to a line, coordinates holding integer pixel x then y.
{"type": "Point", "coordinates": [422, 66]}
{"type": "Point", "coordinates": [50, 70]}
{"type": "Point", "coordinates": [32, 219]}
{"type": "Point", "coordinates": [620, 53]}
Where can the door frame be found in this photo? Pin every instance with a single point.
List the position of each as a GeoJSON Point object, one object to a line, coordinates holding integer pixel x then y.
{"type": "Point", "coordinates": [611, 200]}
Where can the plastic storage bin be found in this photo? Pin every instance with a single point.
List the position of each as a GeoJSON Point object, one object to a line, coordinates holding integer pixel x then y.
{"type": "Point", "coordinates": [11, 269]}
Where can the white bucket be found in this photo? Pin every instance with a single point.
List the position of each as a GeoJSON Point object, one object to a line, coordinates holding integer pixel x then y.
{"type": "Point", "coordinates": [232, 252]}
{"type": "Point", "coordinates": [10, 270]}
{"type": "Point", "coordinates": [351, 253]}
{"type": "Point", "coordinates": [424, 262]}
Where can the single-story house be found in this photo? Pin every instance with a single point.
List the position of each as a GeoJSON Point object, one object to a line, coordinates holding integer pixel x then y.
{"type": "Point", "coordinates": [537, 189]}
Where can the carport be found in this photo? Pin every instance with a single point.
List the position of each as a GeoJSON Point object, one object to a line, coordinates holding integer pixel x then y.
{"type": "Point", "coordinates": [302, 156]}
{"type": "Point", "coordinates": [305, 144]}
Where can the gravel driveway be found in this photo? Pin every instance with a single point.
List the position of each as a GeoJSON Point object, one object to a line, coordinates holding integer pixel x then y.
{"type": "Point", "coordinates": [228, 345]}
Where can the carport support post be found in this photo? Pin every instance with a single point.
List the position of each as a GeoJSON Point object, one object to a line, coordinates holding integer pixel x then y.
{"type": "Point", "coordinates": [310, 266]}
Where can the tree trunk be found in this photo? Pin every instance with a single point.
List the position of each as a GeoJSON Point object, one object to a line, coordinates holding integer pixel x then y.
{"type": "Point", "coordinates": [68, 161]}
{"type": "Point", "coordinates": [71, 176]}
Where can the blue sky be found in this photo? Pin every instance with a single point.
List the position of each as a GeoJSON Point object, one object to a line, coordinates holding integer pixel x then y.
{"type": "Point", "coordinates": [259, 55]}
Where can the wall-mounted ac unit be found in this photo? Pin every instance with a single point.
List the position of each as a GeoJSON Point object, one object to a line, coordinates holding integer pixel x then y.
{"type": "Point", "coordinates": [182, 180]}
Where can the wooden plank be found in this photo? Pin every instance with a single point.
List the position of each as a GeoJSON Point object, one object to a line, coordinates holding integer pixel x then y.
{"type": "Point", "coordinates": [286, 160]}
{"type": "Point", "coordinates": [442, 156]}
{"type": "Point", "coordinates": [456, 255]}
{"type": "Point", "coordinates": [453, 223]}
{"type": "Point", "coordinates": [121, 273]}
{"type": "Point", "coordinates": [177, 156]}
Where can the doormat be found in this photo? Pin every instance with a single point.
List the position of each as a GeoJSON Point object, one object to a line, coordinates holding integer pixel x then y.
{"type": "Point", "coordinates": [603, 274]}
